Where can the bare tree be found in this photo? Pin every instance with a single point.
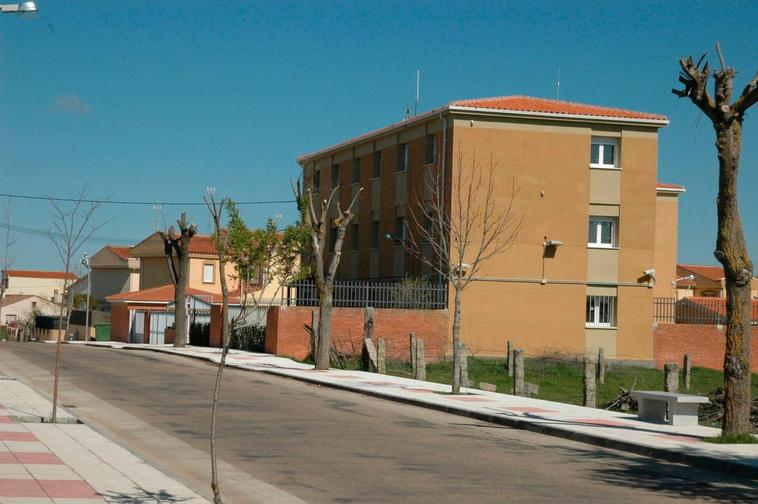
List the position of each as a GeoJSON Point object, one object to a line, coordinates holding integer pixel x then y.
{"type": "Point", "coordinates": [270, 254]}
{"type": "Point", "coordinates": [7, 258]}
{"type": "Point", "coordinates": [176, 248]}
{"type": "Point", "coordinates": [71, 227]}
{"type": "Point", "coordinates": [317, 222]}
{"type": "Point", "coordinates": [731, 251]}
{"type": "Point", "coordinates": [457, 240]}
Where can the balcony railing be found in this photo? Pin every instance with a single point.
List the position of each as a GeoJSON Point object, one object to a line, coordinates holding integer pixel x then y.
{"type": "Point", "coordinates": [695, 310]}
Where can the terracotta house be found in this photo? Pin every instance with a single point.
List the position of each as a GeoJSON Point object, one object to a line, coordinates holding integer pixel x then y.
{"type": "Point", "coordinates": [586, 176]}
{"type": "Point", "coordinates": [699, 280]}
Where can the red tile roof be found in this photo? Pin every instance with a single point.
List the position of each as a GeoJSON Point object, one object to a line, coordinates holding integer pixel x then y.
{"type": "Point", "coordinates": [57, 275]}
{"type": "Point", "coordinates": [545, 106]}
{"type": "Point", "coordinates": [165, 294]}
{"type": "Point", "coordinates": [715, 273]}
{"type": "Point", "coordinates": [162, 294]}
{"type": "Point", "coordinates": [673, 187]}
{"type": "Point", "coordinates": [202, 244]}
{"type": "Point", "coordinates": [10, 299]}
{"type": "Point", "coordinates": [518, 105]}
{"type": "Point", "coordinates": [122, 252]}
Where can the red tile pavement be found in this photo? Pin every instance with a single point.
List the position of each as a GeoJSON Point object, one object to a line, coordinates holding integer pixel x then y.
{"type": "Point", "coordinates": [528, 409]}
{"type": "Point", "coordinates": [684, 439]}
{"type": "Point", "coordinates": [597, 421]}
{"type": "Point", "coordinates": [7, 458]}
{"type": "Point", "coordinates": [17, 436]}
{"type": "Point", "coordinates": [20, 488]}
{"type": "Point", "coordinates": [31, 458]}
{"type": "Point", "coordinates": [470, 399]}
{"type": "Point", "coordinates": [5, 419]}
{"type": "Point", "coordinates": [421, 390]}
{"type": "Point", "coordinates": [68, 489]}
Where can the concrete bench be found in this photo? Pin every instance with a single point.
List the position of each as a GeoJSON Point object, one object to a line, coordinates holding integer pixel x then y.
{"type": "Point", "coordinates": [682, 408]}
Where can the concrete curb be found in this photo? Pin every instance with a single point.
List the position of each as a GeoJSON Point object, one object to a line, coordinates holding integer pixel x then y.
{"type": "Point", "coordinates": [729, 467]}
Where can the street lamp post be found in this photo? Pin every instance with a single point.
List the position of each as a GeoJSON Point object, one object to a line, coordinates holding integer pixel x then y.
{"type": "Point", "coordinates": [23, 8]}
{"type": "Point", "coordinates": [85, 263]}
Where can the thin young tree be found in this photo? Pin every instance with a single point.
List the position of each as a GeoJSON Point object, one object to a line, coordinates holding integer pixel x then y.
{"type": "Point", "coordinates": [71, 227]}
{"type": "Point", "coordinates": [317, 221]}
{"type": "Point", "coordinates": [7, 259]}
{"type": "Point", "coordinates": [727, 117]}
{"type": "Point", "coordinates": [462, 228]}
{"type": "Point", "coordinates": [176, 248]}
{"type": "Point", "coordinates": [269, 255]}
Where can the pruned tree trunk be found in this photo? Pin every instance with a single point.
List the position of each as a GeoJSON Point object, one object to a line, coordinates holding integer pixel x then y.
{"type": "Point", "coordinates": [731, 251]}
{"type": "Point", "coordinates": [177, 253]}
{"type": "Point", "coordinates": [457, 342]}
{"type": "Point", "coordinates": [324, 339]}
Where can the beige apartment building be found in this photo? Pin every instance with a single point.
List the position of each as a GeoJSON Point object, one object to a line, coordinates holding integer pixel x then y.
{"type": "Point", "coordinates": [586, 180]}
{"type": "Point", "coordinates": [45, 284]}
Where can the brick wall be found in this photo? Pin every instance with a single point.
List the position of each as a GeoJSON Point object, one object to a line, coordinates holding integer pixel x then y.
{"type": "Point", "coordinates": [119, 322]}
{"type": "Point", "coordinates": [705, 343]}
{"type": "Point", "coordinates": [286, 332]}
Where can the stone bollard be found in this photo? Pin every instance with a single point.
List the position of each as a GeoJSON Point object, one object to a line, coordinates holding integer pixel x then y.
{"type": "Point", "coordinates": [509, 358]}
{"type": "Point", "coordinates": [414, 357]}
{"type": "Point", "coordinates": [519, 389]}
{"type": "Point", "coordinates": [464, 366]}
{"type": "Point", "coordinates": [601, 365]}
{"type": "Point", "coordinates": [671, 377]}
{"type": "Point", "coordinates": [420, 360]}
{"type": "Point", "coordinates": [381, 356]}
{"type": "Point", "coordinates": [369, 356]}
{"type": "Point", "coordinates": [687, 371]}
{"type": "Point", "coordinates": [590, 391]}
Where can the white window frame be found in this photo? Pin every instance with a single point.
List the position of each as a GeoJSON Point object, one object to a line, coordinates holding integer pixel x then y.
{"type": "Point", "coordinates": [601, 142]}
{"type": "Point", "coordinates": [205, 271]}
{"type": "Point", "coordinates": [403, 158]}
{"type": "Point", "coordinates": [599, 219]}
{"type": "Point", "coordinates": [593, 315]}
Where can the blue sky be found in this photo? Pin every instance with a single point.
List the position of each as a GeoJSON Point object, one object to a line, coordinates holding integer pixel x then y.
{"type": "Point", "coordinates": [156, 100]}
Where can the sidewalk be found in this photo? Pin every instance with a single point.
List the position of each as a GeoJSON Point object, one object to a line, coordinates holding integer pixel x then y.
{"type": "Point", "coordinates": [70, 463]}
{"type": "Point", "coordinates": [610, 429]}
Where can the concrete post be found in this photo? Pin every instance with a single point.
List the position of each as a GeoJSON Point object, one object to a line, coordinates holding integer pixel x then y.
{"type": "Point", "coordinates": [381, 359]}
{"type": "Point", "coordinates": [601, 365]}
{"type": "Point", "coordinates": [687, 371]}
{"type": "Point", "coordinates": [414, 360]}
{"type": "Point", "coordinates": [509, 358]}
{"type": "Point", "coordinates": [420, 360]}
{"type": "Point", "coordinates": [519, 389]}
{"type": "Point", "coordinates": [464, 366]}
{"type": "Point", "coordinates": [671, 376]}
{"type": "Point", "coordinates": [590, 392]}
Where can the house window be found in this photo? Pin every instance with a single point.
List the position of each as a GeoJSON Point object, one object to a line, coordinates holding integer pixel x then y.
{"type": "Point", "coordinates": [603, 232]}
{"type": "Point", "coordinates": [601, 311]}
{"type": "Point", "coordinates": [375, 234]}
{"type": "Point", "coordinates": [429, 153]}
{"type": "Point", "coordinates": [402, 157]}
{"type": "Point", "coordinates": [335, 175]}
{"type": "Point", "coordinates": [356, 170]}
{"type": "Point", "coordinates": [208, 273]}
{"type": "Point", "coordinates": [400, 229]}
{"type": "Point", "coordinates": [604, 153]}
{"type": "Point", "coordinates": [316, 181]}
{"type": "Point", "coordinates": [377, 168]}
{"type": "Point", "coordinates": [354, 237]}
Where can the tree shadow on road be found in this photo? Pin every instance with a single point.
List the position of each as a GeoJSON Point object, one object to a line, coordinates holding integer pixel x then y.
{"type": "Point", "coordinates": [142, 496]}
{"type": "Point", "coordinates": [667, 479]}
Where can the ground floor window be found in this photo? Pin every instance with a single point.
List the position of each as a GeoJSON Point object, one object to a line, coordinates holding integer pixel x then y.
{"type": "Point", "coordinates": [601, 311]}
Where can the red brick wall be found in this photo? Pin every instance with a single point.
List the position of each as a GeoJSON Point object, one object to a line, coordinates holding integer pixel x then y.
{"type": "Point", "coordinates": [119, 322]}
{"type": "Point", "coordinates": [705, 343]}
{"type": "Point", "coordinates": [286, 332]}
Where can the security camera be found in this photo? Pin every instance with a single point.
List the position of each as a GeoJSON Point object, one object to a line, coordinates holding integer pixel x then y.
{"type": "Point", "coordinates": [650, 272]}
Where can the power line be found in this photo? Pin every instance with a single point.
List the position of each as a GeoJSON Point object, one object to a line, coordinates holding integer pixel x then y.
{"type": "Point", "coordinates": [137, 203]}
{"type": "Point", "coordinates": [46, 233]}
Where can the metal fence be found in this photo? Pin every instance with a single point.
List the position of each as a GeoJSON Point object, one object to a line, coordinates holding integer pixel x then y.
{"type": "Point", "coordinates": [695, 311]}
{"type": "Point", "coordinates": [409, 295]}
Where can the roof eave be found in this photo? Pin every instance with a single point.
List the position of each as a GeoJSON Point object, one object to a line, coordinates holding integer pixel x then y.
{"type": "Point", "coordinates": [658, 123]}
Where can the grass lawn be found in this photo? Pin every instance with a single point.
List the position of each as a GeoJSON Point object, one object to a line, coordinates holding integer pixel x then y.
{"type": "Point", "coordinates": [561, 380]}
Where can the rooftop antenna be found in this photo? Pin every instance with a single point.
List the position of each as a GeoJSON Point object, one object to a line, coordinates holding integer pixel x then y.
{"type": "Point", "coordinates": [558, 87]}
{"type": "Point", "coordinates": [418, 85]}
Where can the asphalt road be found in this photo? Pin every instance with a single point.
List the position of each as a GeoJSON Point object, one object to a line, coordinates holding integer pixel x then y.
{"type": "Point", "coordinates": [325, 445]}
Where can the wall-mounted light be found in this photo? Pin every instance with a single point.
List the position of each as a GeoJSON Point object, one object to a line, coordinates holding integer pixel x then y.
{"type": "Point", "coordinates": [552, 243]}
